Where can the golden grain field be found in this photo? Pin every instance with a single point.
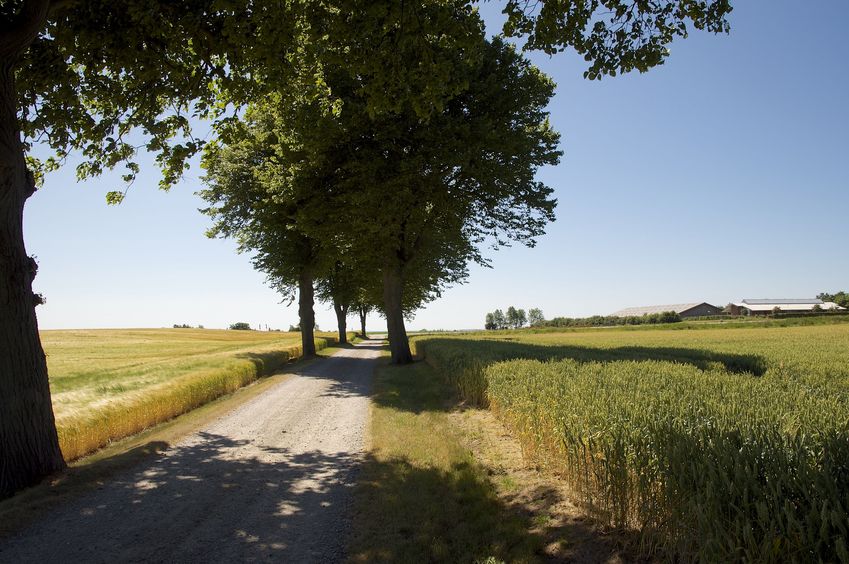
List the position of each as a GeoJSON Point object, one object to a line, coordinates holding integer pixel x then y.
{"type": "Point", "coordinates": [107, 384]}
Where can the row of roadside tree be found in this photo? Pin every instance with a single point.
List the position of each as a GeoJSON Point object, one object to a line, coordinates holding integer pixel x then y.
{"type": "Point", "coordinates": [370, 141]}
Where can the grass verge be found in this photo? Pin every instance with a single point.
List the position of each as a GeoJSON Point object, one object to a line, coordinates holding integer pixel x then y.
{"type": "Point", "coordinates": [422, 497]}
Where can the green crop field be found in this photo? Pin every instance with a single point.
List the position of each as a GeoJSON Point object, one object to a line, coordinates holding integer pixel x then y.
{"type": "Point", "coordinates": [718, 444]}
{"type": "Point", "coordinates": [108, 384]}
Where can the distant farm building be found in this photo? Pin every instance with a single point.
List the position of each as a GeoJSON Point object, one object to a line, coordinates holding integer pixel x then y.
{"type": "Point", "coordinates": [764, 307]}
{"type": "Point", "coordinates": [683, 310]}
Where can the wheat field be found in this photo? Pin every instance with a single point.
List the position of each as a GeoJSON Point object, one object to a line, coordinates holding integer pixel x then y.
{"type": "Point", "coordinates": [107, 384]}
{"type": "Point", "coordinates": [716, 444]}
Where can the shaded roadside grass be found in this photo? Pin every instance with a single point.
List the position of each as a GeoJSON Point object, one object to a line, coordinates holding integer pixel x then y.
{"type": "Point", "coordinates": [421, 496]}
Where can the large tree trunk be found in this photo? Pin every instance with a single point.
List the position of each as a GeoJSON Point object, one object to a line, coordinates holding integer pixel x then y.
{"type": "Point", "coordinates": [393, 294]}
{"type": "Point", "coordinates": [29, 446]}
{"type": "Point", "coordinates": [341, 321]}
{"type": "Point", "coordinates": [362, 311]}
{"type": "Point", "coordinates": [306, 313]}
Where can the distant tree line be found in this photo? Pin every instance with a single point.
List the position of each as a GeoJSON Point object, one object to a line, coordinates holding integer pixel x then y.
{"type": "Point", "coordinates": [613, 320]}
{"type": "Point", "coordinates": [186, 326]}
{"type": "Point", "coordinates": [513, 319]}
{"type": "Point", "coordinates": [840, 298]}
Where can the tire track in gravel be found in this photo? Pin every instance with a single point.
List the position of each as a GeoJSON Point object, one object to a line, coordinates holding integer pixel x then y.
{"type": "Point", "coordinates": [270, 481]}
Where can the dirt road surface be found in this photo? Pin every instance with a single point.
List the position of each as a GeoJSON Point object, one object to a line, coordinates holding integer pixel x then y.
{"type": "Point", "coordinates": [270, 481]}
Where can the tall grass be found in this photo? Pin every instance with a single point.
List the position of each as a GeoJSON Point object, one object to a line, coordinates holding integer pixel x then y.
{"type": "Point", "coordinates": [710, 461]}
{"type": "Point", "coordinates": [88, 424]}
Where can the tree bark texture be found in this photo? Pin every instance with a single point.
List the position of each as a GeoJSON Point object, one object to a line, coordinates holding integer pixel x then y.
{"type": "Point", "coordinates": [29, 446]}
{"type": "Point", "coordinates": [362, 313]}
{"type": "Point", "coordinates": [393, 294]}
{"type": "Point", "coordinates": [306, 300]}
{"type": "Point", "coordinates": [341, 321]}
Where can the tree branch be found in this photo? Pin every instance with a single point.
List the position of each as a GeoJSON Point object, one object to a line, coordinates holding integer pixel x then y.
{"type": "Point", "coordinates": [17, 34]}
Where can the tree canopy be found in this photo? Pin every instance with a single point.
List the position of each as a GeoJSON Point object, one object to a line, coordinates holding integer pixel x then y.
{"type": "Point", "coordinates": [98, 71]}
{"type": "Point", "coordinates": [513, 319]}
{"type": "Point", "coordinates": [241, 177]}
{"type": "Point", "coordinates": [535, 317]}
{"type": "Point", "coordinates": [90, 73]}
{"type": "Point", "coordinates": [613, 36]}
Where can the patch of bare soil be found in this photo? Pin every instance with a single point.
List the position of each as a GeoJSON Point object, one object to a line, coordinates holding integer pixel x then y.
{"type": "Point", "coordinates": [568, 534]}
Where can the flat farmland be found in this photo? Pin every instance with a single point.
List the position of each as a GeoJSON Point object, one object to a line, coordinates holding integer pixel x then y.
{"type": "Point", "coordinates": [801, 351]}
{"type": "Point", "coordinates": [717, 444]}
{"type": "Point", "coordinates": [110, 383]}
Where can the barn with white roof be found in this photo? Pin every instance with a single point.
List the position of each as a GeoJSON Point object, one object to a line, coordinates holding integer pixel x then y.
{"type": "Point", "coordinates": [767, 306]}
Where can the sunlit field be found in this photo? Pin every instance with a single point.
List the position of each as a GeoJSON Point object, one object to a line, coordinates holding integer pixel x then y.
{"type": "Point", "coordinates": [717, 444]}
{"type": "Point", "coordinates": [107, 384]}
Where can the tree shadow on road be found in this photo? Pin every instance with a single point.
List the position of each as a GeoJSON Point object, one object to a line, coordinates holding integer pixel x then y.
{"type": "Point", "coordinates": [207, 501]}
{"type": "Point", "coordinates": [210, 497]}
{"type": "Point", "coordinates": [204, 501]}
{"type": "Point", "coordinates": [348, 374]}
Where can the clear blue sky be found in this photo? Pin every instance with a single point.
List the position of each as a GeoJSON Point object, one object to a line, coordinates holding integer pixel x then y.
{"type": "Point", "coordinates": [722, 175]}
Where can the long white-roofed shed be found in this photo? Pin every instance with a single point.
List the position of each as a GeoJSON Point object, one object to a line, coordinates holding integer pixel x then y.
{"type": "Point", "coordinates": [787, 305]}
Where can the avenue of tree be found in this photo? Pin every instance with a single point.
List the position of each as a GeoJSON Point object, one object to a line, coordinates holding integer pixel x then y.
{"type": "Point", "coordinates": [92, 77]}
{"type": "Point", "coordinates": [399, 201]}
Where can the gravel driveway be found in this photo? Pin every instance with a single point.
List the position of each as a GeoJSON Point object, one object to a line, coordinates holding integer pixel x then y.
{"type": "Point", "coordinates": [271, 480]}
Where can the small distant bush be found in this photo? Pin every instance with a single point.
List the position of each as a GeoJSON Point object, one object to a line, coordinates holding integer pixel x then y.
{"type": "Point", "coordinates": [240, 326]}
